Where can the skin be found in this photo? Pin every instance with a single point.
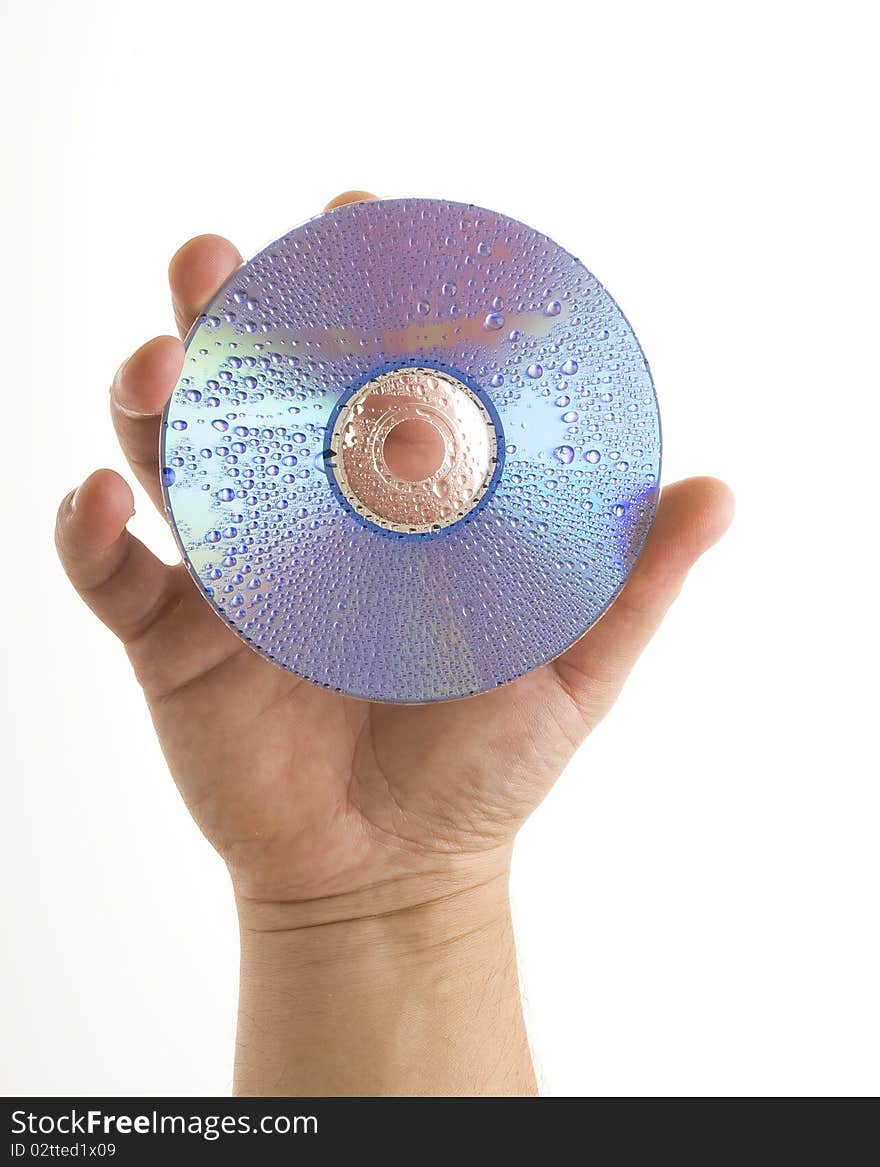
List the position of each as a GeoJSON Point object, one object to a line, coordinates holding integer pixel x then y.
{"type": "Point", "coordinates": [368, 844]}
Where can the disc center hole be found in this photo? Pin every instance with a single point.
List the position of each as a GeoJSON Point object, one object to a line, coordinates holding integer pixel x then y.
{"type": "Point", "coordinates": [414, 450]}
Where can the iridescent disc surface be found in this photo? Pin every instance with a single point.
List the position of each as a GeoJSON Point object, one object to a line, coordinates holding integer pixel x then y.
{"type": "Point", "coordinates": [527, 529]}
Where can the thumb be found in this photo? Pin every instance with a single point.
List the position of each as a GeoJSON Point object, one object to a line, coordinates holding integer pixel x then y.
{"type": "Point", "coordinates": [691, 517]}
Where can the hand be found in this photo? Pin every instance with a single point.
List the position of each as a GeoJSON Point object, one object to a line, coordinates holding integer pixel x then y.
{"type": "Point", "coordinates": [323, 806]}
{"type": "Point", "coordinates": [307, 793]}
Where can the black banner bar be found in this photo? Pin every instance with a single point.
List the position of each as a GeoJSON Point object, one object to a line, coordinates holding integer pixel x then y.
{"type": "Point", "coordinates": [289, 1130]}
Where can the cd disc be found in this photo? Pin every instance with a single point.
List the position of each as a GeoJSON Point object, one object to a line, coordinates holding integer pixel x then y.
{"type": "Point", "coordinates": [414, 450]}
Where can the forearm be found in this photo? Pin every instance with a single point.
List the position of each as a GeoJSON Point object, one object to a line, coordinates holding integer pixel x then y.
{"type": "Point", "coordinates": [418, 1000]}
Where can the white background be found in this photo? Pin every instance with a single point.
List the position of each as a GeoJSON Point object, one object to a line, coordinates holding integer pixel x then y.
{"type": "Point", "coordinates": [697, 900]}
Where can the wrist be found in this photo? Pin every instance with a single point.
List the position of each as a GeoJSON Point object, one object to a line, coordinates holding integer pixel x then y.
{"type": "Point", "coordinates": [410, 989]}
{"type": "Point", "coordinates": [431, 897]}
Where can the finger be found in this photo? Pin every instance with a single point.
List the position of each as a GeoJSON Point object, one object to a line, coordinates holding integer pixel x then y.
{"type": "Point", "coordinates": [200, 267]}
{"type": "Point", "coordinates": [123, 583]}
{"type": "Point", "coordinates": [196, 273]}
{"type": "Point", "coordinates": [413, 450]}
{"type": "Point", "coordinates": [138, 395]}
{"type": "Point", "coordinates": [143, 385]}
{"type": "Point", "coordinates": [692, 515]}
{"type": "Point", "coordinates": [349, 196]}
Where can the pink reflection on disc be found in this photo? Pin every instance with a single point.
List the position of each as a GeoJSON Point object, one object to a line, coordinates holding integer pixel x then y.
{"type": "Point", "coordinates": [438, 438]}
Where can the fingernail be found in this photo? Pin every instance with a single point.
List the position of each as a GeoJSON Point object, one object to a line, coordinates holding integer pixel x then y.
{"type": "Point", "coordinates": [74, 497]}
{"type": "Point", "coordinates": [117, 376]}
{"type": "Point", "coordinates": [116, 395]}
{"type": "Point", "coordinates": [137, 414]}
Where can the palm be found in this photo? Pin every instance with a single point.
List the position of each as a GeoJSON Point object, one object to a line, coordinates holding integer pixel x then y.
{"type": "Point", "coordinates": [303, 791]}
{"type": "Point", "coordinates": [307, 792]}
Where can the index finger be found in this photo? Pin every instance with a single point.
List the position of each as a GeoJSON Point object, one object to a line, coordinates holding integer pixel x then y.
{"type": "Point", "coordinates": [196, 273]}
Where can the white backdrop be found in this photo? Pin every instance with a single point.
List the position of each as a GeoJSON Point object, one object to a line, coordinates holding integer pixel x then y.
{"type": "Point", "coordinates": [696, 901]}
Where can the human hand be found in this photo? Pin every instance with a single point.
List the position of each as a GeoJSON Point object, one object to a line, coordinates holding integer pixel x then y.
{"type": "Point", "coordinates": [323, 806]}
